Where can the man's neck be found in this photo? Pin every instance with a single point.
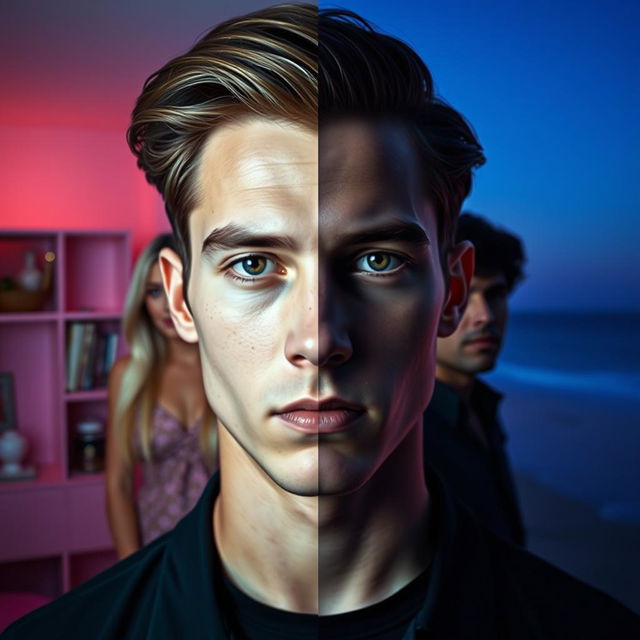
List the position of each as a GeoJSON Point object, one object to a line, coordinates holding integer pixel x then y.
{"type": "Point", "coordinates": [463, 384]}
{"type": "Point", "coordinates": [460, 381]}
{"type": "Point", "coordinates": [328, 554]}
{"type": "Point", "coordinates": [375, 540]}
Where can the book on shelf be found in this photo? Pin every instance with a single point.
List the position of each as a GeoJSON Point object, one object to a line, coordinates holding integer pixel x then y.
{"type": "Point", "coordinates": [99, 379]}
{"type": "Point", "coordinates": [90, 356]}
{"type": "Point", "coordinates": [74, 348]}
{"type": "Point", "coordinates": [106, 353]}
{"type": "Point", "coordinates": [85, 378]}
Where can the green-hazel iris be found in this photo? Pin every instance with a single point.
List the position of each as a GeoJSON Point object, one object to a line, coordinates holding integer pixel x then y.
{"type": "Point", "coordinates": [378, 262]}
{"type": "Point", "coordinates": [255, 265]}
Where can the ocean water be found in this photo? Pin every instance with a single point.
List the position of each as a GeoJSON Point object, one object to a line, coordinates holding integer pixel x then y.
{"type": "Point", "coordinates": [572, 406]}
{"type": "Point", "coordinates": [594, 353]}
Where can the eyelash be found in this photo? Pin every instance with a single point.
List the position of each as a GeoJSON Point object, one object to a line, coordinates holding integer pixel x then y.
{"type": "Point", "coordinates": [384, 274]}
{"type": "Point", "coordinates": [249, 280]}
{"type": "Point", "coordinates": [231, 273]}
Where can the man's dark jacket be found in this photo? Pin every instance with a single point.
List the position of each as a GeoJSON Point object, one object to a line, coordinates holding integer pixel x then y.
{"type": "Point", "coordinates": [478, 475]}
{"type": "Point", "coordinates": [480, 588]}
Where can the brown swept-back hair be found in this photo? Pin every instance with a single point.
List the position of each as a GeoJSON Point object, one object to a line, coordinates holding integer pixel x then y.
{"type": "Point", "coordinates": [365, 73]}
{"type": "Point", "coordinates": [269, 63]}
{"type": "Point", "coordinates": [263, 63]}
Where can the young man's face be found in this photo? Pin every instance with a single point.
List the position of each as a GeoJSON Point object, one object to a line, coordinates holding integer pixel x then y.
{"type": "Point", "coordinates": [474, 347]}
{"type": "Point", "coordinates": [316, 292]}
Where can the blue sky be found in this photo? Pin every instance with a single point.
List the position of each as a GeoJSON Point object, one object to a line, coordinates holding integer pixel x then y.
{"type": "Point", "coordinates": [552, 90]}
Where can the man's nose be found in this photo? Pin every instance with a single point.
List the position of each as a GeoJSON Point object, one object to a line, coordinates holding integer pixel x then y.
{"type": "Point", "coordinates": [480, 310]}
{"type": "Point", "coordinates": [318, 335]}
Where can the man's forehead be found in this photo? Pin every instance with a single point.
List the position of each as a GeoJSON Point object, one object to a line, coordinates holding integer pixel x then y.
{"type": "Point", "coordinates": [375, 152]}
{"type": "Point", "coordinates": [261, 171]}
{"type": "Point", "coordinates": [258, 154]}
{"type": "Point", "coordinates": [485, 279]}
{"type": "Point", "coordinates": [368, 173]}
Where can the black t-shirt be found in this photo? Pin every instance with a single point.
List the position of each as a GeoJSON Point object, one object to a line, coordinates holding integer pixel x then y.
{"type": "Point", "coordinates": [386, 620]}
{"type": "Point", "coordinates": [479, 587]}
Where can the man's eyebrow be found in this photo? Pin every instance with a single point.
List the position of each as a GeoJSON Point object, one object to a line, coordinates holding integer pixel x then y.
{"type": "Point", "coordinates": [233, 236]}
{"type": "Point", "coordinates": [407, 232]}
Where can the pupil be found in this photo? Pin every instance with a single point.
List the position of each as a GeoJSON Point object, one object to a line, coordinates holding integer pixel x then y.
{"type": "Point", "coordinates": [254, 264]}
{"type": "Point", "coordinates": [378, 260]}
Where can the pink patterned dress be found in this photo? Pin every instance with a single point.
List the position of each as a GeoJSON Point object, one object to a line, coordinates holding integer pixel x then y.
{"type": "Point", "coordinates": [174, 479]}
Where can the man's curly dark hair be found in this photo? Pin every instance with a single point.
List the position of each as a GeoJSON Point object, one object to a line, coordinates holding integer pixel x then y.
{"type": "Point", "coordinates": [497, 250]}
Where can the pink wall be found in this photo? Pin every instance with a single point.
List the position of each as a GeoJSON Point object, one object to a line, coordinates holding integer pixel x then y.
{"type": "Point", "coordinates": [72, 178]}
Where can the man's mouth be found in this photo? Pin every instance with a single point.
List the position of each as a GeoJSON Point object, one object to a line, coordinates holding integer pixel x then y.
{"type": "Point", "coordinates": [483, 341]}
{"type": "Point", "coordinates": [320, 416]}
{"type": "Point", "coordinates": [484, 338]}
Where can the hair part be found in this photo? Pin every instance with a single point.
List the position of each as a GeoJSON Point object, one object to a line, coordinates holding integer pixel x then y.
{"type": "Point", "coordinates": [496, 250]}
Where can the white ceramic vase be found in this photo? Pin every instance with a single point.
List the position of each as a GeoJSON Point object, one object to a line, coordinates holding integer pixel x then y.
{"type": "Point", "coordinates": [13, 448]}
{"type": "Point", "coordinates": [30, 277]}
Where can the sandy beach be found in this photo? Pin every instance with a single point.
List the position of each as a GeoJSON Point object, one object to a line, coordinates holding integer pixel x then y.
{"type": "Point", "coordinates": [575, 456]}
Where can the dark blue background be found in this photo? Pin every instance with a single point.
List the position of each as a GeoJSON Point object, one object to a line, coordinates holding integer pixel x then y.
{"type": "Point", "coordinates": [552, 90]}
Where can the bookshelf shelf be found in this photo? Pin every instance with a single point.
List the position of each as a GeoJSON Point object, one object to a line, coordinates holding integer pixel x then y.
{"type": "Point", "coordinates": [86, 396]}
{"type": "Point", "coordinates": [36, 316]}
{"type": "Point", "coordinates": [48, 475]}
{"type": "Point", "coordinates": [54, 528]}
{"type": "Point", "coordinates": [95, 316]}
{"type": "Point", "coordinates": [87, 478]}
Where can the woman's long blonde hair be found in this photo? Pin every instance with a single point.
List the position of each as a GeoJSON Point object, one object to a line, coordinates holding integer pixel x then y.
{"type": "Point", "coordinates": [138, 393]}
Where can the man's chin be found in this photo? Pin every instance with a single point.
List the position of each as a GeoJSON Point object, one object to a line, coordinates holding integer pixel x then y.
{"type": "Point", "coordinates": [323, 485]}
{"type": "Point", "coordinates": [299, 478]}
{"type": "Point", "coordinates": [481, 364]}
{"type": "Point", "coordinates": [326, 482]}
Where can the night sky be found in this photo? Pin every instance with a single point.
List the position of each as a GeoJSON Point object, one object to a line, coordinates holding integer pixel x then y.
{"type": "Point", "coordinates": [551, 89]}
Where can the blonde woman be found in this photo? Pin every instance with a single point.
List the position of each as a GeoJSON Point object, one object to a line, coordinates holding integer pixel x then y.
{"type": "Point", "coordinates": [158, 415]}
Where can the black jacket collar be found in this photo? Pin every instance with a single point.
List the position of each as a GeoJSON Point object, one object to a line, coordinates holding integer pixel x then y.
{"type": "Point", "coordinates": [460, 601]}
{"type": "Point", "coordinates": [448, 404]}
{"type": "Point", "coordinates": [190, 595]}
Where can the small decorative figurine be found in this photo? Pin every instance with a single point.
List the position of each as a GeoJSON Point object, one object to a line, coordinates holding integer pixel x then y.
{"type": "Point", "coordinates": [13, 448]}
{"type": "Point", "coordinates": [30, 277]}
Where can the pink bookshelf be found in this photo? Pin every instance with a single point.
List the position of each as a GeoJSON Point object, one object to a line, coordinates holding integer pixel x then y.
{"type": "Point", "coordinates": [54, 531]}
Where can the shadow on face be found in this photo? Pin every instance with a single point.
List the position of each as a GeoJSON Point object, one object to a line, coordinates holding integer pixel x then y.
{"type": "Point", "coordinates": [316, 294]}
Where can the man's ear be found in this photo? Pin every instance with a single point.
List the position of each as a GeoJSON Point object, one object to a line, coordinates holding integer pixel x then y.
{"type": "Point", "coordinates": [171, 270]}
{"type": "Point", "coordinates": [460, 263]}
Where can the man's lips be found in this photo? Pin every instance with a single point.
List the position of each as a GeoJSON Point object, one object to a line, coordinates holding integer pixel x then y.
{"type": "Point", "coordinates": [484, 341]}
{"type": "Point", "coordinates": [320, 416]}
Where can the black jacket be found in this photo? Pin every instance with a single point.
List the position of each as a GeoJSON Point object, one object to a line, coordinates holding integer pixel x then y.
{"type": "Point", "coordinates": [480, 587]}
{"type": "Point", "coordinates": [478, 475]}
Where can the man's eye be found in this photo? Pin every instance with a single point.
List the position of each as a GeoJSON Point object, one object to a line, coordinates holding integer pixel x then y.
{"type": "Point", "coordinates": [378, 262]}
{"type": "Point", "coordinates": [253, 266]}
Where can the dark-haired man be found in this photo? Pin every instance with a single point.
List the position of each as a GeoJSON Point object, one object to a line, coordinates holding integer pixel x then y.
{"type": "Point", "coordinates": [463, 439]}
{"type": "Point", "coordinates": [317, 270]}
